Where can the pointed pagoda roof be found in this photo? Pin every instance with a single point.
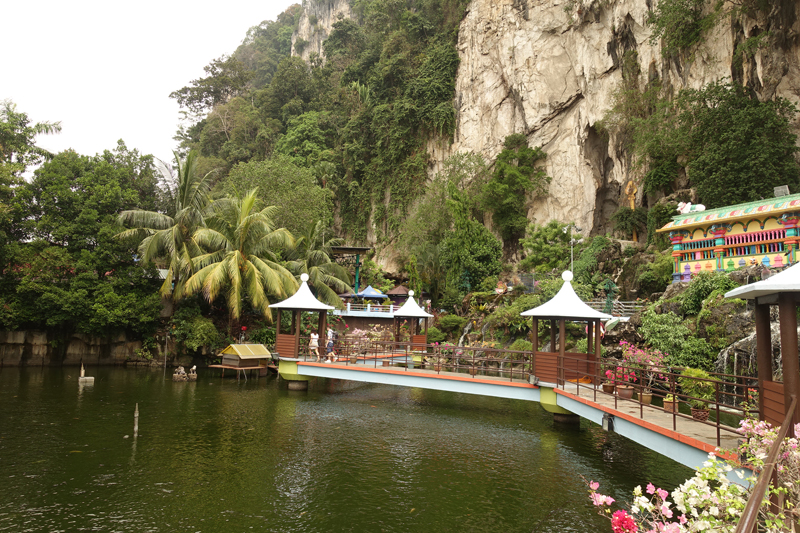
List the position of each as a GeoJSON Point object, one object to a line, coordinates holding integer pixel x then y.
{"type": "Point", "coordinates": [400, 290]}
{"type": "Point", "coordinates": [411, 309]}
{"type": "Point", "coordinates": [369, 292]}
{"type": "Point", "coordinates": [567, 305]}
{"type": "Point", "coordinates": [786, 281]}
{"type": "Point", "coordinates": [302, 299]}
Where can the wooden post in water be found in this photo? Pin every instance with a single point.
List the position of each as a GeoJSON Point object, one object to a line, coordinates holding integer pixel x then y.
{"type": "Point", "coordinates": [136, 422]}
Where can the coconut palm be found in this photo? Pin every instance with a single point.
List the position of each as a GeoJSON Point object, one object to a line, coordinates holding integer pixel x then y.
{"type": "Point", "coordinates": [172, 236]}
{"type": "Point", "coordinates": [312, 254]}
{"type": "Point", "coordinates": [241, 258]}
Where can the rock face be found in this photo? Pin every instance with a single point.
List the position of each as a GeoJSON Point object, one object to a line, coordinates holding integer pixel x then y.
{"type": "Point", "coordinates": [35, 348]}
{"type": "Point", "coordinates": [315, 25]}
{"type": "Point", "coordinates": [549, 69]}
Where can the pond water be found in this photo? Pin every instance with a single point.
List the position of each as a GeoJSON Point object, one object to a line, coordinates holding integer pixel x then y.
{"type": "Point", "coordinates": [221, 455]}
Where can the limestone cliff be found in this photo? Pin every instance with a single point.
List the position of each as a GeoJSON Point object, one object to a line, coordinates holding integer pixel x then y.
{"type": "Point", "coordinates": [315, 25]}
{"type": "Point", "coordinates": [549, 69]}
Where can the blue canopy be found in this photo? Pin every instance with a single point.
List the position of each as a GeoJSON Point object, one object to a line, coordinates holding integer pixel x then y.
{"type": "Point", "coordinates": [369, 292]}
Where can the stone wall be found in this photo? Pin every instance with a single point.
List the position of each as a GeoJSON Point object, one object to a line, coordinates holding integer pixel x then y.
{"type": "Point", "coordinates": [37, 348]}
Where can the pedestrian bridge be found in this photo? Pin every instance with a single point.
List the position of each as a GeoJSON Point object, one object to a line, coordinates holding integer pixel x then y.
{"type": "Point", "coordinates": [674, 435]}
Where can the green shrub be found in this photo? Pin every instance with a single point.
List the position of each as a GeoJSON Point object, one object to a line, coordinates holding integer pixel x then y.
{"type": "Point", "coordinates": [664, 332]}
{"type": "Point", "coordinates": [695, 352]}
{"type": "Point", "coordinates": [581, 346]}
{"type": "Point", "coordinates": [701, 390]}
{"type": "Point", "coordinates": [656, 276]}
{"type": "Point", "coordinates": [449, 323]}
{"type": "Point", "coordinates": [264, 335]}
{"type": "Point", "coordinates": [701, 287]}
{"type": "Point", "coordinates": [435, 335]}
{"type": "Point", "coordinates": [627, 220]}
{"type": "Point", "coordinates": [585, 269]}
{"type": "Point", "coordinates": [521, 345]}
{"type": "Point", "coordinates": [657, 217]}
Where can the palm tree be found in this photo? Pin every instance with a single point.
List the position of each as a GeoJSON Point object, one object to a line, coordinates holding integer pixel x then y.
{"type": "Point", "coordinates": [311, 254]}
{"type": "Point", "coordinates": [241, 258]}
{"type": "Point", "coordinates": [172, 236]}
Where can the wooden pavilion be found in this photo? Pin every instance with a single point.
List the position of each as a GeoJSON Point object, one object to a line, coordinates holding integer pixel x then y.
{"type": "Point", "coordinates": [413, 312]}
{"type": "Point", "coordinates": [566, 305]}
{"type": "Point", "coordinates": [783, 290]}
{"type": "Point", "coordinates": [288, 344]}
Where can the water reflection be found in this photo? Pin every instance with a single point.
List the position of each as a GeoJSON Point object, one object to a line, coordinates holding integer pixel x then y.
{"type": "Point", "coordinates": [222, 455]}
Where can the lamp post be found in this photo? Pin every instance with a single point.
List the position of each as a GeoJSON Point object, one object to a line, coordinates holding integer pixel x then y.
{"type": "Point", "coordinates": [569, 227]}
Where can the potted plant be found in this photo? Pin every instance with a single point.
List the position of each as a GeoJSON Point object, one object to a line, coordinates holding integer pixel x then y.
{"type": "Point", "coordinates": [623, 378]}
{"type": "Point", "coordinates": [646, 362]}
{"type": "Point", "coordinates": [670, 403]}
{"type": "Point", "coordinates": [699, 387]}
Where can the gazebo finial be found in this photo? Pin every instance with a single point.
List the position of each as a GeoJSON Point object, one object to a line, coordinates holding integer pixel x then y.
{"type": "Point", "coordinates": [303, 277]}
{"type": "Point", "coordinates": [566, 276]}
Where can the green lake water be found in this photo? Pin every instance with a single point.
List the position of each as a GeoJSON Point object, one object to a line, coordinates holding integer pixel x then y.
{"type": "Point", "coordinates": [226, 456]}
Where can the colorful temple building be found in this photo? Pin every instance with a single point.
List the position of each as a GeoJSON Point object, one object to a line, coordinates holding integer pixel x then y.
{"type": "Point", "coordinates": [732, 237]}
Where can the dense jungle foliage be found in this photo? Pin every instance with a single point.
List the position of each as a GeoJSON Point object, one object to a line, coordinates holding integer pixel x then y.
{"type": "Point", "coordinates": [279, 158]}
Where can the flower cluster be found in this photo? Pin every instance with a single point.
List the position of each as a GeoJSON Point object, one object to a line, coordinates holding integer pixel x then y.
{"type": "Point", "coordinates": [706, 502]}
{"type": "Point", "coordinates": [621, 374]}
{"type": "Point", "coordinates": [647, 363]}
{"type": "Point", "coordinates": [709, 501]}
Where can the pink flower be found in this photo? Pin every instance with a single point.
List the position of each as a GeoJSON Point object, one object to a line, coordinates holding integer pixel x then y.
{"type": "Point", "coordinates": [682, 519]}
{"type": "Point", "coordinates": [594, 485]}
{"type": "Point", "coordinates": [651, 488]}
{"type": "Point", "coordinates": [662, 494]}
{"type": "Point", "coordinates": [601, 499]}
{"type": "Point", "coordinates": [622, 522]}
{"type": "Point", "coordinates": [666, 511]}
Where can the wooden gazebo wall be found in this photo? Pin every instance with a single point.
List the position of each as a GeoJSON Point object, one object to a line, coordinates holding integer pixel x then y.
{"type": "Point", "coordinates": [576, 365]}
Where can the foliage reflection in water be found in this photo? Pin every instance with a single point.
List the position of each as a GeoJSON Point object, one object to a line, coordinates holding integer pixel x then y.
{"type": "Point", "coordinates": [222, 455]}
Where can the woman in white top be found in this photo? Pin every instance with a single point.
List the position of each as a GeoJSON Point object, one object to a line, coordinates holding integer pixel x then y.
{"type": "Point", "coordinates": [313, 345]}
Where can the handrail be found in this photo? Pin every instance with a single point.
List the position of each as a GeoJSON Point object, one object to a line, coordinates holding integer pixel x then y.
{"type": "Point", "coordinates": [750, 513]}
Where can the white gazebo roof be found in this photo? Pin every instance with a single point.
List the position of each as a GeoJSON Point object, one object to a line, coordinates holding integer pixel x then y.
{"type": "Point", "coordinates": [302, 299]}
{"type": "Point", "coordinates": [411, 309]}
{"type": "Point", "coordinates": [567, 305]}
{"type": "Point", "coordinates": [786, 281]}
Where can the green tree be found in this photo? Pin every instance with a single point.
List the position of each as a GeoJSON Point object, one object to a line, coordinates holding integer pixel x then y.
{"type": "Point", "coordinates": [515, 175]}
{"type": "Point", "coordinates": [18, 151]}
{"type": "Point", "coordinates": [242, 263]}
{"type": "Point", "coordinates": [172, 237]}
{"type": "Point", "coordinates": [311, 254]}
{"type": "Point", "coordinates": [227, 77]}
{"type": "Point", "coordinates": [282, 183]}
{"type": "Point", "coordinates": [546, 247]}
{"type": "Point", "coordinates": [68, 272]}
{"type": "Point", "coordinates": [725, 136]}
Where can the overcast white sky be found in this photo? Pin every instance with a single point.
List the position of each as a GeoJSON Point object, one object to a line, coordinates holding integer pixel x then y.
{"type": "Point", "coordinates": [105, 69]}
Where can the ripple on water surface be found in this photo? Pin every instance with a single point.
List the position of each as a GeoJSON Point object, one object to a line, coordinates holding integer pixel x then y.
{"type": "Point", "coordinates": [221, 455]}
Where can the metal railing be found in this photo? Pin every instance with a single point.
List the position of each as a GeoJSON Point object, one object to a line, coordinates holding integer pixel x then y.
{"type": "Point", "coordinates": [731, 393]}
{"type": "Point", "coordinates": [619, 307]}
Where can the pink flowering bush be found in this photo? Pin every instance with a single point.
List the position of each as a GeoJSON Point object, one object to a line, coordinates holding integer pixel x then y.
{"type": "Point", "coordinates": [645, 362]}
{"type": "Point", "coordinates": [620, 374]}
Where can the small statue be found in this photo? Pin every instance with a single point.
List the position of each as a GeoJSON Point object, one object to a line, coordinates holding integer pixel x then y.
{"type": "Point", "coordinates": [687, 207]}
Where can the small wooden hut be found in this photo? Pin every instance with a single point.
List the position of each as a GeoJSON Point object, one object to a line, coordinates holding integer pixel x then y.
{"type": "Point", "coordinates": [566, 305]}
{"type": "Point", "coordinates": [245, 356]}
{"type": "Point", "coordinates": [288, 345]}
{"type": "Point", "coordinates": [413, 313]}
